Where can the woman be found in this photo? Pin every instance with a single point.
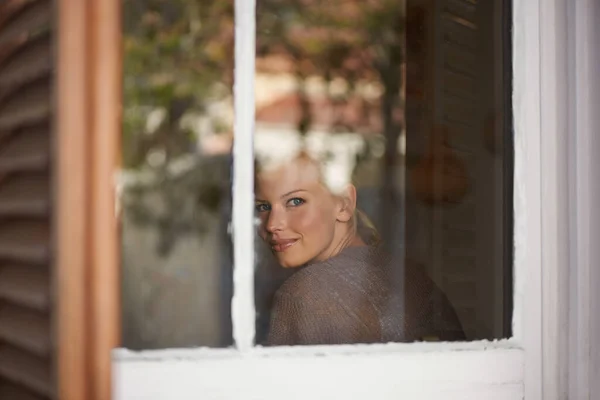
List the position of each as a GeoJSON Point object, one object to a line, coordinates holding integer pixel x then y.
{"type": "Point", "coordinates": [346, 289]}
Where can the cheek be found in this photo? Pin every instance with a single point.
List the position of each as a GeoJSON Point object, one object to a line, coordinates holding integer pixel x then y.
{"type": "Point", "coordinates": [313, 222]}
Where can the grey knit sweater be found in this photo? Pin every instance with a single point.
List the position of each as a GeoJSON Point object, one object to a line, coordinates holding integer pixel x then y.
{"type": "Point", "coordinates": [360, 296]}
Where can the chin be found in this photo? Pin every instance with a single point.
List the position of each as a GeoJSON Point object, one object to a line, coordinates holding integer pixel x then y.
{"type": "Point", "coordinates": [289, 262]}
{"type": "Point", "coordinates": [286, 264]}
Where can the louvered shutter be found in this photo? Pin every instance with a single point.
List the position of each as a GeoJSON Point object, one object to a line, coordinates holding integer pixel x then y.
{"type": "Point", "coordinates": [454, 82]}
{"type": "Point", "coordinates": [26, 84]}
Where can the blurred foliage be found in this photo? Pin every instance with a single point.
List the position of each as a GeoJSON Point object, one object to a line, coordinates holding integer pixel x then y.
{"type": "Point", "coordinates": [178, 60]}
{"type": "Point", "coordinates": [178, 57]}
{"type": "Point", "coordinates": [352, 39]}
{"type": "Point", "coordinates": [355, 40]}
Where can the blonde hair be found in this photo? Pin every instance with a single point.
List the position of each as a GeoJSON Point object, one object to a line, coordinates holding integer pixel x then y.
{"type": "Point", "coordinates": [365, 229]}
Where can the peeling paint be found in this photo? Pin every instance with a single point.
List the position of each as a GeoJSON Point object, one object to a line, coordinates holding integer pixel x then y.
{"type": "Point", "coordinates": [198, 354]}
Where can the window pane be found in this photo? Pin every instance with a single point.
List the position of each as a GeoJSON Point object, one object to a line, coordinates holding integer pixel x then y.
{"type": "Point", "coordinates": [175, 184]}
{"type": "Point", "coordinates": [402, 108]}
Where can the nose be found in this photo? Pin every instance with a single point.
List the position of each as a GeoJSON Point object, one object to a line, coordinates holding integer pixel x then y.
{"type": "Point", "coordinates": [275, 220]}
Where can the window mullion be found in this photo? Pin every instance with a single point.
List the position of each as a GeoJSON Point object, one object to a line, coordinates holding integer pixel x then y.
{"type": "Point", "coordinates": [243, 309]}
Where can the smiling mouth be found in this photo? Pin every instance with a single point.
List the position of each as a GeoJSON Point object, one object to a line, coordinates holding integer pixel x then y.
{"type": "Point", "coordinates": [283, 245]}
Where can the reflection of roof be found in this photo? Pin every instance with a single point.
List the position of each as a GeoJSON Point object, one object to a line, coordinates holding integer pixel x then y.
{"type": "Point", "coordinates": [353, 115]}
{"type": "Point", "coordinates": [274, 64]}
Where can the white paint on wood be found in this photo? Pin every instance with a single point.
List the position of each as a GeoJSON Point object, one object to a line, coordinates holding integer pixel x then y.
{"type": "Point", "coordinates": [243, 311]}
{"type": "Point", "coordinates": [449, 375]}
{"type": "Point", "coordinates": [527, 321]}
{"type": "Point", "coordinates": [584, 170]}
{"type": "Point", "coordinates": [595, 228]}
{"type": "Point", "coordinates": [593, 130]}
{"type": "Point", "coordinates": [554, 189]}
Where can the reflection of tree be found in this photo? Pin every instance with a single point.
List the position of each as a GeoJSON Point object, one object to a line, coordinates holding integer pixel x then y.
{"type": "Point", "coordinates": [178, 58]}
{"type": "Point", "coordinates": [178, 62]}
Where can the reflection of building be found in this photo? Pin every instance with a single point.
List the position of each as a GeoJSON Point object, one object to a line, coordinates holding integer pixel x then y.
{"type": "Point", "coordinates": [339, 130]}
{"type": "Point", "coordinates": [337, 127]}
{"type": "Point", "coordinates": [337, 135]}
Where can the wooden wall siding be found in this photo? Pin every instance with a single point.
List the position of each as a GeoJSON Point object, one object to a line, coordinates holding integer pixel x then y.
{"type": "Point", "coordinates": [26, 85]}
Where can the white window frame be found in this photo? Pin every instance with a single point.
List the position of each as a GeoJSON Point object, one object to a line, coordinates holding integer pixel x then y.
{"type": "Point", "coordinates": [554, 352]}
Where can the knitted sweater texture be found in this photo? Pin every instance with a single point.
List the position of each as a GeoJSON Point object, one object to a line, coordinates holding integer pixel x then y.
{"type": "Point", "coordinates": [360, 296]}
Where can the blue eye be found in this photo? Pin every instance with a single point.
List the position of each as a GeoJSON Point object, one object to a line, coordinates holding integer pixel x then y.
{"type": "Point", "coordinates": [295, 202]}
{"type": "Point", "coordinates": [262, 207]}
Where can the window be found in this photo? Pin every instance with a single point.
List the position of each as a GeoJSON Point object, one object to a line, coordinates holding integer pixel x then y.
{"type": "Point", "coordinates": [404, 102]}
{"type": "Point", "coordinates": [506, 369]}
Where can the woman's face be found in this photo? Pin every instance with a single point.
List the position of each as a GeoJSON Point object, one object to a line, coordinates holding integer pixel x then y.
{"type": "Point", "coordinates": [300, 218]}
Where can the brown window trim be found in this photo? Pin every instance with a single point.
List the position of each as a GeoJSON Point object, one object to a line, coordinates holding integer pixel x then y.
{"type": "Point", "coordinates": [86, 157]}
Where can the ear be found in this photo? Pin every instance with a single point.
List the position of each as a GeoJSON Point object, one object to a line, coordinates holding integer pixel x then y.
{"type": "Point", "coordinates": [347, 204]}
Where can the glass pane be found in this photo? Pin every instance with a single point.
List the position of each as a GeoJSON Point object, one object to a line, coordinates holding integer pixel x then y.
{"type": "Point", "coordinates": [383, 171]}
{"type": "Point", "coordinates": [175, 183]}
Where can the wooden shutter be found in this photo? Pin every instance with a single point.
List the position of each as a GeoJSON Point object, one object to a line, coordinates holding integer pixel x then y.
{"type": "Point", "coordinates": [59, 127]}
{"type": "Point", "coordinates": [454, 81]}
{"type": "Point", "coordinates": [26, 86]}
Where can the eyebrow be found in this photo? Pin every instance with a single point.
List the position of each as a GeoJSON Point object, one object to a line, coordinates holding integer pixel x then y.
{"type": "Point", "coordinates": [292, 192]}
{"type": "Point", "coordinates": [256, 200]}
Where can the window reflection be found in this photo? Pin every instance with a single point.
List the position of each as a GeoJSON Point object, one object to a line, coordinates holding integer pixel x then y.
{"type": "Point", "coordinates": [175, 183]}
{"type": "Point", "coordinates": [406, 102]}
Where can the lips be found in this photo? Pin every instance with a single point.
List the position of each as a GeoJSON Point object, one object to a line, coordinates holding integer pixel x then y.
{"type": "Point", "coordinates": [282, 244]}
